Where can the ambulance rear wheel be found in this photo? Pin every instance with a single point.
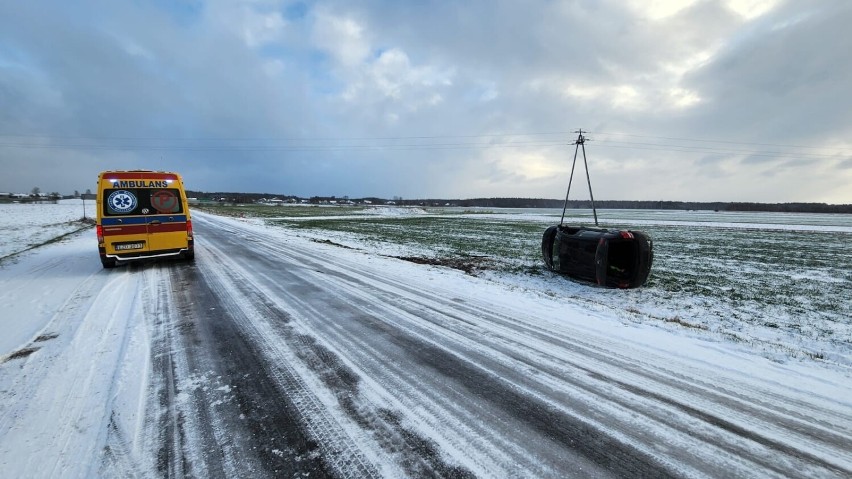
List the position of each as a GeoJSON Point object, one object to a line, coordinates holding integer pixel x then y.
{"type": "Point", "coordinates": [189, 255]}
{"type": "Point", "coordinates": [108, 262]}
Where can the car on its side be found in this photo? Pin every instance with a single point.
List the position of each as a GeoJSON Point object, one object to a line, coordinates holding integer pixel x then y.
{"type": "Point", "coordinates": [606, 257]}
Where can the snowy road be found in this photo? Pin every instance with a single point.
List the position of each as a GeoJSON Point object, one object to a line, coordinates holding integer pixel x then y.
{"type": "Point", "coordinates": [276, 356]}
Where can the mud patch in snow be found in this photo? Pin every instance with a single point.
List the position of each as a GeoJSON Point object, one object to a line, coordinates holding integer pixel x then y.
{"type": "Point", "coordinates": [469, 265]}
{"type": "Point", "coordinates": [21, 353]}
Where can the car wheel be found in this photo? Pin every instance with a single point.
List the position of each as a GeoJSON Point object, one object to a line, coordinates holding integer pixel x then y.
{"type": "Point", "coordinates": [547, 246]}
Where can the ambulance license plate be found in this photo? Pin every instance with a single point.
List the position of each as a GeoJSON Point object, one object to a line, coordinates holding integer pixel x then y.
{"type": "Point", "coordinates": [128, 246]}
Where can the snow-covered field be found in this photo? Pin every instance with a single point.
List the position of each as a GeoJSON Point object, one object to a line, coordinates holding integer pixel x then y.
{"type": "Point", "coordinates": [399, 369]}
{"type": "Point", "coordinates": [28, 224]}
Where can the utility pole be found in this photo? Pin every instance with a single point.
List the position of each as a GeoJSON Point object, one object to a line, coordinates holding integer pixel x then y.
{"type": "Point", "coordinates": [580, 142]}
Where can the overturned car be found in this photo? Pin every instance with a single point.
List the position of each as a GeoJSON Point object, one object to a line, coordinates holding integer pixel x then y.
{"type": "Point", "coordinates": [613, 258]}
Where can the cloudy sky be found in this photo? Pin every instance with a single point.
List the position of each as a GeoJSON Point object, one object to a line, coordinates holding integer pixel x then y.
{"type": "Point", "coordinates": [721, 100]}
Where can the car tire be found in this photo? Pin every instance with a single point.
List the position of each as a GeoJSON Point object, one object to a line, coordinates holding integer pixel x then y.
{"type": "Point", "coordinates": [547, 246]}
{"type": "Point", "coordinates": [108, 262]}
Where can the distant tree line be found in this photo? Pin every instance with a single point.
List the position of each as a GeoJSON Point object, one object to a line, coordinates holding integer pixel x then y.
{"type": "Point", "coordinates": [231, 197]}
{"type": "Point", "coordinates": [633, 204]}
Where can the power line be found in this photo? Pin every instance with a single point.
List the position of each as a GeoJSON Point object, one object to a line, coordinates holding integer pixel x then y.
{"type": "Point", "coordinates": [49, 138]}
{"type": "Point", "coordinates": [777, 145]}
{"type": "Point", "coordinates": [704, 149]}
{"type": "Point", "coordinates": [342, 138]}
{"type": "Point", "coordinates": [286, 148]}
{"type": "Point", "coordinates": [407, 143]}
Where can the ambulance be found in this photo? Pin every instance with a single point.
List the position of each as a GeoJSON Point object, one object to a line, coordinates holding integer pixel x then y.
{"type": "Point", "coordinates": [142, 214]}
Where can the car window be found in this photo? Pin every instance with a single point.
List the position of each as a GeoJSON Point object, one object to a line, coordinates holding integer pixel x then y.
{"type": "Point", "coordinates": [141, 201]}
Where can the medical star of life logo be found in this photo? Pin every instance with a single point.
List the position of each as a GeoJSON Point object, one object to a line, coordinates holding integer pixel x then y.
{"type": "Point", "coordinates": [122, 201]}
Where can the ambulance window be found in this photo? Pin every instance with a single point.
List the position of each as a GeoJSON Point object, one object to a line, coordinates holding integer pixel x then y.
{"type": "Point", "coordinates": [121, 202]}
{"type": "Point", "coordinates": [142, 201]}
{"type": "Point", "coordinates": [165, 200]}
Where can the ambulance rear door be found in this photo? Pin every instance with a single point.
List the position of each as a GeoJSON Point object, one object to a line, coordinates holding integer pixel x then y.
{"type": "Point", "coordinates": [166, 220]}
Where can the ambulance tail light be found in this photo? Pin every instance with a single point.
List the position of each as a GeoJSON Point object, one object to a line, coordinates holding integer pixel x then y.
{"type": "Point", "coordinates": [100, 232]}
{"type": "Point", "coordinates": [189, 228]}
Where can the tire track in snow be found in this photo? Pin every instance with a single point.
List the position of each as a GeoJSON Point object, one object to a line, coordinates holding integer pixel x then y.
{"type": "Point", "coordinates": [204, 406]}
{"type": "Point", "coordinates": [416, 455]}
{"type": "Point", "coordinates": [163, 416]}
{"type": "Point", "coordinates": [339, 451]}
{"type": "Point", "coordinates": [227, 412]}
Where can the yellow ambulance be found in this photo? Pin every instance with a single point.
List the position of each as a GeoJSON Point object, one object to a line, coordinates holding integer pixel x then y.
{"type": "Point", "coordinates": [142, 214]}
